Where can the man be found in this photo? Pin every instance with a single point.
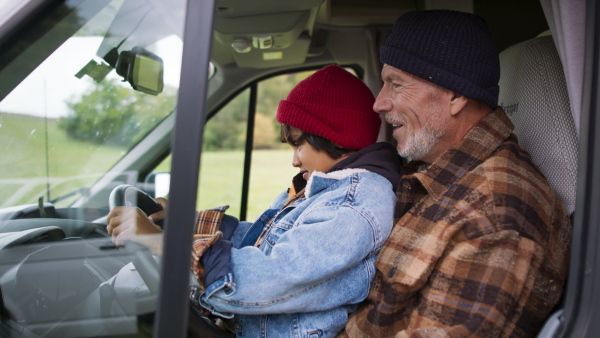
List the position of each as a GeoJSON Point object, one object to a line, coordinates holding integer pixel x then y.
{"type": "Point", "coordinates": [481, 241]}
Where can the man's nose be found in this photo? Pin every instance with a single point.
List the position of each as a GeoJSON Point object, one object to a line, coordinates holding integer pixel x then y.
{"type": "Point", "coordinates": [382, 103]}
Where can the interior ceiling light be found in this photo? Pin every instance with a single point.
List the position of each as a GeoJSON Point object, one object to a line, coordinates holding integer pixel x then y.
{"type": "Point", "coordinates": [241, 45]}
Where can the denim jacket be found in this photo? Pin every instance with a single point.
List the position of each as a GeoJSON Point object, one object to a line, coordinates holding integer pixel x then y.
{"type": "Point", "coordinates": [315, 263]}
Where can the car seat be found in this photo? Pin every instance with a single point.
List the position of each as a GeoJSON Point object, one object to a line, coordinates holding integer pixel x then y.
{"type": "Point", "coordinates": [533, 93]}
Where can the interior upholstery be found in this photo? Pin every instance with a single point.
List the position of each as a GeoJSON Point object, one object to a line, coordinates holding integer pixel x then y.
{"type": "Point", "coordinates": [533, 93]}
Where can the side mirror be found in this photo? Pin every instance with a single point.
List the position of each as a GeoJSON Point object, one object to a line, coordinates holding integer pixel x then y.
{"type": "Point", "coordinates": [142, 69]}
{"type": "Point", "coordinates": [157, 184]}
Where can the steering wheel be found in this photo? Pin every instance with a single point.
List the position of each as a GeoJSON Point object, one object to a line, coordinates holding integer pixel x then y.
{"type": "Point", "coordinates": [129, 196]}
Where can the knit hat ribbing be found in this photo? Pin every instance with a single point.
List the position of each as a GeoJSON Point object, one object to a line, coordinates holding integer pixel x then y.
{"type": "Point", "coordinates": [334, 104]}
{"type": "Point", "coordinates": [451, 49]}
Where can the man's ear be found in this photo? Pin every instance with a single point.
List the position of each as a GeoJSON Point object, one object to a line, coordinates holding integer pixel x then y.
{"type": "Point", "coordinates": [457, 103]}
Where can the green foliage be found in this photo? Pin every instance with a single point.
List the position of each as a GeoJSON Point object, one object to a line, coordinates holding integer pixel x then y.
{"type": "Point", "coordinates": [264, 132]}
{"type": "Point", "coordinates": [227, 129]}
{"type": "Point", "coordinates": [115, 115]}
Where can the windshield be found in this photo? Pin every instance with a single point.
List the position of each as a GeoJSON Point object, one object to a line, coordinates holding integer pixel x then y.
{"type": "Point", "coordinates": [83, 85]}
{"type": "Point", "coordinates": [66, 115]}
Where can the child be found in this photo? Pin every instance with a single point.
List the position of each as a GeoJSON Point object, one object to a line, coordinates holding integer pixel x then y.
{"type": "Point", "coordinates": [305, 264]}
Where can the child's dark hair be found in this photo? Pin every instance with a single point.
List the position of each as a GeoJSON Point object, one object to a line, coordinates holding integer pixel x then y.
{"type": "Point", "coordinates": [319, 143]}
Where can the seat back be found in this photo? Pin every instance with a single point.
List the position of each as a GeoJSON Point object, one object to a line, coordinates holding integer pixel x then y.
{"type": "Point", "coordinates": [533, 93]}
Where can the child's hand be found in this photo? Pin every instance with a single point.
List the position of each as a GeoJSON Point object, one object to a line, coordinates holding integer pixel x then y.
{"type": "Point", "coordinates": [125, 223]}
{"type": "Point", "coordinates": [159, 215]}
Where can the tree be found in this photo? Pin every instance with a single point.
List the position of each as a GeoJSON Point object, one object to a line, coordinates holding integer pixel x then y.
{"type": "Point", "coordinates": [265, 136]}
{"type": "Point", "coordinates": [110, 113]}
{"type": "Point", "coordinates": [227, 129]}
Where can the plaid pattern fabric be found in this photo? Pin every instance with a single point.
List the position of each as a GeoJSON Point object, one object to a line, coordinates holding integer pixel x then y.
{"type": "Point", "coordinates": [207, 233]}
{"type": "Point", "coordinates": [480, 247]}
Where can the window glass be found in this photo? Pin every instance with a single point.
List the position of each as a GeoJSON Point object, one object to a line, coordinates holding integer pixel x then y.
{"type": "Point", "coordinates": [222, 161]}
{"type": "Point", "coordinates": [67, 119]}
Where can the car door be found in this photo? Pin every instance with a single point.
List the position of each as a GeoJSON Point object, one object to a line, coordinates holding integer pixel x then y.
{"type": "Point", "coordinates": [582, 295]}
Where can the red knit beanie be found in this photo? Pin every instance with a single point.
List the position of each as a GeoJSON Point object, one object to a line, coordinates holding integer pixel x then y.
{"type": "Point", "coordinates": [334, 104]}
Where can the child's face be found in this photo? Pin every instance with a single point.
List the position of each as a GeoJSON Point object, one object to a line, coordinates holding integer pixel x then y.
{"type": "Point", "coordinates": [308, 159]}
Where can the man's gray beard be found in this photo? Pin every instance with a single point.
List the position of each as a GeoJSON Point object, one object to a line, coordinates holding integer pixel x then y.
{"type": "Point", "coordinates": [422, 142]}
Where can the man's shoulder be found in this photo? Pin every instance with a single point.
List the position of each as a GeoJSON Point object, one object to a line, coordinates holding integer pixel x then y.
{"type": "Point", "coordinates": [521, 197]}
{"type": "Point", "coordinates": [511, 169]}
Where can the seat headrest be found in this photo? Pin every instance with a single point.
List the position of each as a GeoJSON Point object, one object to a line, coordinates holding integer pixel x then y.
{"type": "Point", "coordinates": [533, 93]}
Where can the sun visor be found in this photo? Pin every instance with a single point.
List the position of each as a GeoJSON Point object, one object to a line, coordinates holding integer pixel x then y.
{"type": "Point", "coordinates": [279, 35]}
{"type": "Point", "coordinates": [240, 8]}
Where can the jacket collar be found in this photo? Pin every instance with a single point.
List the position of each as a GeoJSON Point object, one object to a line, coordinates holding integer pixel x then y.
{"type": "Point", "coordinates": [477, 145]}
{"type": "Point", "coordinates": [320, 181]}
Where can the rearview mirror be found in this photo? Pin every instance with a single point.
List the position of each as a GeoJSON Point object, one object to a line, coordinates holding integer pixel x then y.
{"type": "Point", "coordinates": [157, 184]}
{"type": "Point", "coordinates": [142, 69]}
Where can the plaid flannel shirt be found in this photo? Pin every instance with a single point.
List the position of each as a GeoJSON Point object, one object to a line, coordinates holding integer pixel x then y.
{"type": "Point", "coordinates": [480, 246]}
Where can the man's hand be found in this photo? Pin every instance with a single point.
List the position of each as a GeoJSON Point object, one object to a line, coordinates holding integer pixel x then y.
{"type": "Point", "coordinates": [125, 223]}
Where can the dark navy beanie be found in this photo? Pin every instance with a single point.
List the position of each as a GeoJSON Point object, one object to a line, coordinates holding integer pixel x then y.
{"type": "Point", "coordinates": [451, 49]}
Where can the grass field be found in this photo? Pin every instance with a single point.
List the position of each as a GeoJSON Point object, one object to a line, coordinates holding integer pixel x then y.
{"type": "Point", "coordinates": [24, 169]}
